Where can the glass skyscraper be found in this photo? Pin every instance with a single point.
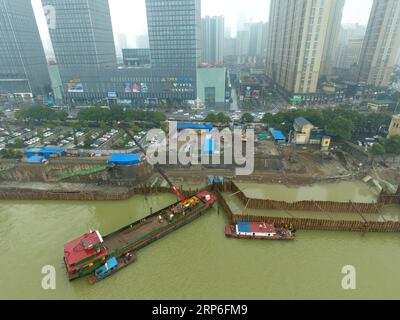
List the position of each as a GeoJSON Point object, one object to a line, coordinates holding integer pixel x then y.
{"type": "Point", "coordinates": [23, 66]}
{"type": "Point", "coordinates": [174, 32]}
{"type": "Point", "coordinates": [85, 51]}
{"type": "Point", "coordinates": [381, 46]}
{"type": "Point", "coordinates": [83, 43]}
{"type": "Point", "coordinates": [212, 40]}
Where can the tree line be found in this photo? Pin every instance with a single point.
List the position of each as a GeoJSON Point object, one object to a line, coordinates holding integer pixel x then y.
{"type": "Point", "coordinates": [341, 123]}
{"type": "Point", "coordinates": [39, 114]}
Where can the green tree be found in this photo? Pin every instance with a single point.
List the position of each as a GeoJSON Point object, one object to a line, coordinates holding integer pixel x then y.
{"type": "Point", "coordinates": [103, 125]}
{"type": "Point", "coordinates": [88, 141]}
{"type": "Point", "coordinates": [40, 114]}
{"type": "Point", "coordinates": [18, 144]}
{"type": "Point", "coordinates": [378, 150]}
{"type": "Point", "coordinates": [10, 153]}
{"type": "Point", "coordinates": [223, 118]}
{"type": "Point", "coordinates": [211, 118]}
{"type": "Point", "coordinates": [392, 145]}
{"type": "Point", "coordinates": [340, 127]}
{"type": "Point", "coordinates": [247, 118]}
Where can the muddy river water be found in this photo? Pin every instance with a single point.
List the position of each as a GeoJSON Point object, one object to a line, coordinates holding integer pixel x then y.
{"type": "Point", "coordinates": [197, 261]}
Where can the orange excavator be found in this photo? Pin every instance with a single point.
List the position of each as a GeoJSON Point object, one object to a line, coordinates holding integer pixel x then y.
{"type": "Point", "coordinates": [156, 166]}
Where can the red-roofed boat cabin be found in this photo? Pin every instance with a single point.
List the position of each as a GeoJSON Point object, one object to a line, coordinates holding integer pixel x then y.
{"type": "Point", "coordinates": [83, 255]}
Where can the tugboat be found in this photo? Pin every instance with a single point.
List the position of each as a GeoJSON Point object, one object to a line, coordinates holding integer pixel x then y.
{"type": "Point", "coordinates": [259, 231]}
{"type": "Point", "coordinates": [111, 266]}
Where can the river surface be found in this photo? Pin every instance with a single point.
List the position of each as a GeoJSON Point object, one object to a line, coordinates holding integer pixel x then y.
{"type": "Point", "coordinates": [197, 261]}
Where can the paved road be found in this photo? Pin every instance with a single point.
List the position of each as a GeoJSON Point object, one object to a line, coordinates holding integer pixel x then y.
{"type": "Point", "coordinates": [234, 104]}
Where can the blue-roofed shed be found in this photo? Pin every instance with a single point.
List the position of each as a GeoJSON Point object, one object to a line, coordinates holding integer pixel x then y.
{"type": "Point", "coordinates": [45, 152]}
{"type": "Point", "coordinates": [279, 137]}
{"type": "Point", "coordinates": [194, 126]}
{"type": "Point", "coordinates": [125, 159]}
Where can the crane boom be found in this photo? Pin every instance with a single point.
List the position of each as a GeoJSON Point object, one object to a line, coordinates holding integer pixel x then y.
{"type": "Point", "coordinates": [157, 166]}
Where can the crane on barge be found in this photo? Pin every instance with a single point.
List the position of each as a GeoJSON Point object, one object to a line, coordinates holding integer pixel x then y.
{"type": "Point", "coordinates": [156, 166]}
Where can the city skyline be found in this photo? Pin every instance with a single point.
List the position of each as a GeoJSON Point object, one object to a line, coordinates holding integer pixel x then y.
{"type": "Point", "coordinates": [130, 18]}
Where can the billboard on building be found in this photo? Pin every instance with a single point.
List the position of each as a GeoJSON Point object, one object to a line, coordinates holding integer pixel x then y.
{"type": "Point", "coordinates": [112, 94]}
{"type": "Point", "coordinates": [128, 87]}
{"type": "Point", "coordinates": [136, 87]}
{"type": "Point", "coordinates": [75, 85]}
{"type": "Point", "coordinates": [144, 88]}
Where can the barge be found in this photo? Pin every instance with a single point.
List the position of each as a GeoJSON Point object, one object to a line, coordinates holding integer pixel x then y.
{"type": "Point", "coordinates": [98, 257]}
{"type": "Point", "coordinates": [259, 231]}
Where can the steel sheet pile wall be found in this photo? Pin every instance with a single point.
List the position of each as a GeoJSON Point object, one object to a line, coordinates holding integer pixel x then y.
{"type": "Point", "coordinates": [17, 194]}
{"type": "Point", "coordinates": [229, 186]}
{"type": "Point", "coordinates": [390, 198]}
{"type": "Point", "coordinates": [316, 206]}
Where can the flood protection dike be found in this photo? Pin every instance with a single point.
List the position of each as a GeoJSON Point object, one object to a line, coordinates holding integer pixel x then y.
{"type": "Point", "coordinates": [314, 206]}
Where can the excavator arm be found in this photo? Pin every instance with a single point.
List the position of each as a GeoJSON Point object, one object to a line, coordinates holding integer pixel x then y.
{"type": "Point", "coordinates": [157, 166]}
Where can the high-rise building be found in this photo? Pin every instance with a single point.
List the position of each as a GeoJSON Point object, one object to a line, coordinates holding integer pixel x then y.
{"type": "Point", "coordinates": [381, 44]}
{"type": "Point", "coordinates": [174, 28]}
{"type": "Point", "coordinates": [229, 47]}
{"type": "Point", "coordinates": [243, 43]}
{"type": "Point", "coordinates": [228, 32]}
{"type": "Point", "coordinates": [122, 41]}
{"type": "Point", "coordinates": [23, 67]}
{"type": "Point", "coordinates": [297, 40]}
{"type": "Point", "coordinates": [83, 42]}
{"type": "Point", "coordinates": [85, 51]}
{"type": "Point", "coordinates": [352, 52]}
{"type": "Point", "coordinates": [331, 51]}
{"type": "Point", "coordinates": [142, 41]}
{"type": "Point", "coordinates": [258, 39]}
{"type": "Point", "coordinates": [212, 40]}
{"type": "Point", "coordinates": [348, 32]}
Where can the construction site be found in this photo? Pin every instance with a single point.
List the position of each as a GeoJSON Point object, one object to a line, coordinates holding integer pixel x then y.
{"type": "Point", "coordinates": [119, 177]}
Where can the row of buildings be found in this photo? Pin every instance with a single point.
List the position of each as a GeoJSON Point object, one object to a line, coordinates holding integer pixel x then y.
{"type": "Point", "coordinates": [304, 44]}
{"type": "Point", "coordinates": [301, 44]}
{"type": "Point", "coordinates": [82, 38]}
{"type": "Point", "coordinates": [218, 45]}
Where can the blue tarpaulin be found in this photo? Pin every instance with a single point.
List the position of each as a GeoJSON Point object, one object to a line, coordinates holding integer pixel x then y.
{"type": "Point", "coordinates": [36, 159]}
{"type": "Point", "coordinates": [125, 159]}
{"type": "Point", "coordinates": [45, 152]}
{"type": "Point", "coordinates": [194, 126]}
{"type": "Point", "coordinates": [244, 227]}
{"type": "Point", "coordinates": [278, 136]}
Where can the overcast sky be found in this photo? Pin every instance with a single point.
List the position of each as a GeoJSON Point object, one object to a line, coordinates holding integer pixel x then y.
{"type": "Point", "coordinates": [129, 16]}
